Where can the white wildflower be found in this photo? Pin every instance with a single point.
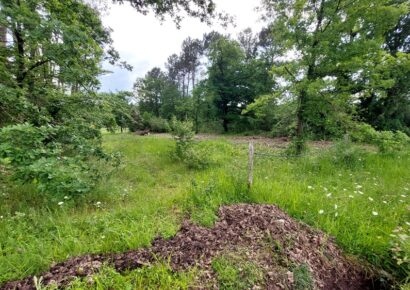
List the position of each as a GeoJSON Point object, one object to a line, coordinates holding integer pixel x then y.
{"type": "Point", "coordinates": [371, 199]}
{"type": "Point", "coordinates": [403, 237]}
{"type": "Point", "coordinates": [384, 201]}
{"type": "Point", "coordinates": [401, 200]}
{"type": "Point", "coordinates": [360, 192]}
{"type": "Point", "coordinates": [406, 189]}
{"type": "Point", "coordinates": [61, 203]}
{"type": "Point", "coordinates": [344, 189]}
{"type": "Point", "coordinates": [403, 195]}
{"type": "Point", "coordinates": [336, 214]}
{"type": "Point", "coordinates": [335, 206]}
{"type": "Point", "coordinates": [358, 186]}
{"type": "Point", "coordinates": [375, 213]}
{"type": "Point", "coordinates": [407, 223]}
{"type": "Point", "coordinates": [310, 187]}
{"type": "Point", "coordinates": [321, 211]}
{"type": "Point", "coordinates": [351, 196]}
{"type": "Point", "coordinates": [329, 194]}
{"type": "Point", "coordinates": [66, 197]}
{"type": "Point", "coordinates": [325, 188]}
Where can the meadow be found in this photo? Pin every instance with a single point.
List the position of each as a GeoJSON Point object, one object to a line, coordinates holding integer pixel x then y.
{"type": "Point", "coordinates": [351, 192]}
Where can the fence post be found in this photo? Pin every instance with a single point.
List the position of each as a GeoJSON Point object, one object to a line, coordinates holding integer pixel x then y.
{"type": "Point", "coordinates": [250, 165]}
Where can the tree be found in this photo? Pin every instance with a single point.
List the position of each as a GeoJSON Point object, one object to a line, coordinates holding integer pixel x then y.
{"type": "Point", "coordinates": [157, 94]}
{"type": "Point", "coordinates": [325, 46]}
{"type": "Point", "coordinates": [182, 69]}
{"type": "Point", "coordinates": [249, 43]}
{"type": "Point", "coordinates": [192, 50]}
{"type": "Point", "coordinates": [391, 111]}
{"type": "Point", "coordinates": [201, 9]}
{"type": "Point", "coordinates": [225, 79]}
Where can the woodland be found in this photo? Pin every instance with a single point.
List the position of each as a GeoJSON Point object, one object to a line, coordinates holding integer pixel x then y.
{"type": "Point", "coordinates": [149, 188]}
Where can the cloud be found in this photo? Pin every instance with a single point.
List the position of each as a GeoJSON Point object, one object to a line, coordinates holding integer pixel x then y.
{"type": "Point", "coordinates": [144, 42]}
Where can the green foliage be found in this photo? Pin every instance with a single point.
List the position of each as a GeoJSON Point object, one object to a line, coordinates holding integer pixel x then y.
{"type": "Point", "coordinates": [236, 273]}
{"type": "Point", "coordinates": [155, 124]}
{"type": "Point", "coordinates": [186, 151]}
{"type": "Point", "coordinates": [234, 82]}
{"type": "Point", "coordinates": [346, 154]}
{"type": "Point", "coordinates": [325, 81]}
{"type": "Point", "coordinates": [45, 157]}
{"type": "Point", "coordinates": [296, 147]}
{"type": "Point", "coordinates": [386, 141]}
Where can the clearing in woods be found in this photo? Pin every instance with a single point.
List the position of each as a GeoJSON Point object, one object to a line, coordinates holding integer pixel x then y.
{"type": "Point", "coordinates": [155, 223]}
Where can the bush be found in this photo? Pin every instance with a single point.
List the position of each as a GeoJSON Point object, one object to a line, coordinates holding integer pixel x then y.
{"type": "Point", "coordinates": [155, 124]}
{"type": "Point", "coordinates": [186, 151]}
{"type": "Point", "coordinates": [386, 141]}
{"type": "Point", "coordinates": [347, 155]}
{"type": "Point", "coordinates": [57, 160]}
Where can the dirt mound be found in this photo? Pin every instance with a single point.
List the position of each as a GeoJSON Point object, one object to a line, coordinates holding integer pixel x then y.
{"type": "Point", "coordinates": [263, 233]}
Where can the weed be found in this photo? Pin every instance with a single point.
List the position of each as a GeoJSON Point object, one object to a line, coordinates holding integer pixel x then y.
{"type": "Point", "coordinates": [302, 278]}
{"type": "Point", "coordinates": [234, 272]}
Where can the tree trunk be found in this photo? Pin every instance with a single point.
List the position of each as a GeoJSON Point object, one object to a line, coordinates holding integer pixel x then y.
{"type": "Point", "coordinates": [3, 36]}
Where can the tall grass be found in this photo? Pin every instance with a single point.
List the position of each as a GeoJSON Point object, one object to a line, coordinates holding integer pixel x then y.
{"type": "Point", "coordinates": [361, 198]}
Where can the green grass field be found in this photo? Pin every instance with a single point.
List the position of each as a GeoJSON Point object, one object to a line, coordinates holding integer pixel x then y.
{"type": "Point", "coordinates": [356, 195]}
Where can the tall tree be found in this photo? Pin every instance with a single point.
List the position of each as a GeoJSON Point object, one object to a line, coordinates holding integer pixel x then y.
{"type": "Point", "coordinates": [325, 46]}
{"type": "Point", "coordinates": [391, 111]}
{"type": "Point", "coordinates": [157, 94]}
{"type": "Point", "coordinates": [225, 78]}
{"type": "Point", "coordinates": [249, 43]}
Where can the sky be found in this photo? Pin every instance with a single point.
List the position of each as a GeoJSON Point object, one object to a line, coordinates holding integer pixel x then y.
{"type": "Point", "coordinates": [144, 42]}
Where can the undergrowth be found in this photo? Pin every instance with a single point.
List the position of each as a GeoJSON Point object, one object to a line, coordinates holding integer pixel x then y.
{"type": "Point", "coordinates": [353, 193]}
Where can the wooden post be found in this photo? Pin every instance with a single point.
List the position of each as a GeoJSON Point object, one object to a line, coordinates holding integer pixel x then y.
{"type": "Point", "coordinates": [250, 165]}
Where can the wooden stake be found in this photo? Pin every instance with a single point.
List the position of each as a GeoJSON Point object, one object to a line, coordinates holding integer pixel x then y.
{"type": "Point", "coordinates": [250, 165]}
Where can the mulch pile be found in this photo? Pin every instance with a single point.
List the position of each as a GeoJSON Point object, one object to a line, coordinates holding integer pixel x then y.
{"type": "Point", "coordinates": [263, 233]}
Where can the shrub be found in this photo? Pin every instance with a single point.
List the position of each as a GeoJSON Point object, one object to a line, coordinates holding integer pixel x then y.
{"type": "Point", "coordinates": [155, 124]}
{"type": "Point", "coordinates": [57, 160]}
{"type": "Point", "coordinates": [186, 151]}
{"type": "Point", "coordinates": [386, 141]}
{"type": "Point", "coordinates": [346, 154]}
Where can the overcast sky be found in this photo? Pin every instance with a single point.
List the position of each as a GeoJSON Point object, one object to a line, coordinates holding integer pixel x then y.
{"type": "Point", "coordinates": [144, 42]}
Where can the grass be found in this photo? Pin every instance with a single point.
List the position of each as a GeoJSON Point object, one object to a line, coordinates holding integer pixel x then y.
{"type": "Point", "coordinates": [360, 197]}
{"type": "Point", "coordinates": [303, 278]}
{"type": "Point", "coordinates": [159, 276]}
{"type": "Point", "coordinates": [234, 272]}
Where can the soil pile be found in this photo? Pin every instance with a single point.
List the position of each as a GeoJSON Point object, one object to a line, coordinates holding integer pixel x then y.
{"type": "Point", "coordinates": [263, 233]}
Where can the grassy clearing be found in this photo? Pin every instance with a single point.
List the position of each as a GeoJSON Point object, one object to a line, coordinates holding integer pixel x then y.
{"type": "Point", "coordinates": [361, 198]}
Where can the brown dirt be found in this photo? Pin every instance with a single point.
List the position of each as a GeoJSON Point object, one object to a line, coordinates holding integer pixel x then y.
{"type": "Point", "coordinates": [278, 142]}
{"type": "Point", "coordinates": [264, 233]}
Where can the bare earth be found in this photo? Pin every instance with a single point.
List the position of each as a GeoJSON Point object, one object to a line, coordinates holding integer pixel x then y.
{"type": "Point", "coordinates": [264, 234]}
